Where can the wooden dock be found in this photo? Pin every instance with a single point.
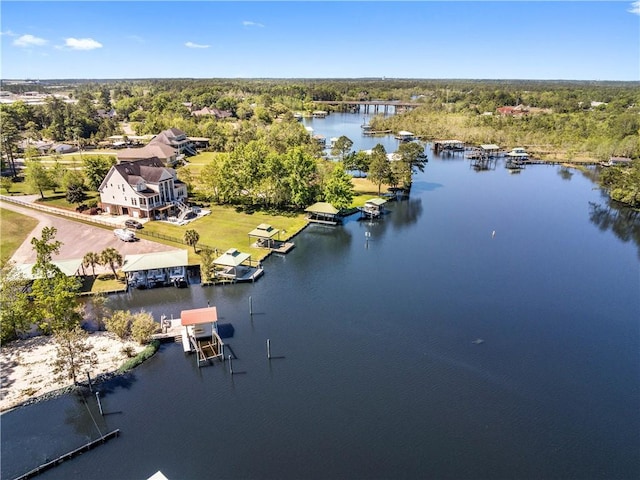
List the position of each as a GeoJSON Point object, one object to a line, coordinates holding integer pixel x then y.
{"type": "Point", "coordinates": [284, 247]}
{"type": "Point", "coordinates": [171, 331]}
{"type": "Point", "coordinates": [86, 447]}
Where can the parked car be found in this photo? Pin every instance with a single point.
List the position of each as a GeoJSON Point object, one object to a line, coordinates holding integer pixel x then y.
{"type": "Point", "coordinates": [125, 235]}
{"type": "Point", "coordinates": [132, 224]}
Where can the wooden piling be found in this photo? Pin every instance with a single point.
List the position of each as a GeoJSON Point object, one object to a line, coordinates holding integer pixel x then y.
{"type": "Point", "coordinates": [99, 404]}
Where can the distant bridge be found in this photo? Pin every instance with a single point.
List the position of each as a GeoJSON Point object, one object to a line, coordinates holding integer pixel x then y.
{"type": "Point", "coordinates": [351, 105]}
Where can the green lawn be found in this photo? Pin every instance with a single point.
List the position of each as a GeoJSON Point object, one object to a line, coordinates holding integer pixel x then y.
{"type": "Point", "coordinates": [103, 283]}
{"type": "Point", "coordinates": [226, 228]}
{"type": "Point", "coordinates": [364, 190]}
{"type": "Point", "coordinates": [59, 200]}
{"type": "Point", "coordinates": [197, 162]}
{"type": "Point", "coordinates": [14, 229]}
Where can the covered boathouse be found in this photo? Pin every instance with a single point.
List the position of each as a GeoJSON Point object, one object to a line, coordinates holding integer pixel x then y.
{"type": "Point", "coordinates": [200, 334]}
{"type": "Point", "coordinates": [158, 269]}
{"type": "Point", "coordinates": [323, 212]}
{"type": "Point", "coordinates": [264, 235]}
{"type": "Point", "coordinates": [264, 238]}
{"type": "Point", "coordinates": [234, 266]}
{"type": "Point", "coordinates": [373, 208]}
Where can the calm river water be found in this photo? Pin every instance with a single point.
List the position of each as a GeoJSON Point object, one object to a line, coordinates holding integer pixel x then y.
{"type": "Point", "coordinates": [379, 375]}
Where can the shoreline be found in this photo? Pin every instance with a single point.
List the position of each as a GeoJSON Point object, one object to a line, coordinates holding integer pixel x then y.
{"type": "Point", "coordinates": [26, 368]}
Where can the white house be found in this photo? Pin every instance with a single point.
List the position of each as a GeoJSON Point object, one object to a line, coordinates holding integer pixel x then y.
{"type": "Point", "coordinates": [143, 189]}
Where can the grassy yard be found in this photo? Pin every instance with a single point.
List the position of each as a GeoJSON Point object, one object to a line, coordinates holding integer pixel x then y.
{"type": "Point", "coordinates": [59, 200]}
{"type": "Point", "coordinates": [15, 228]}
{"type": "Point", "coordinates": [226, 228]}
{"type": "Point", "coordinates": [103, 283]}
{"type": "Point", "coordinates": [365, 190]}
{"type": "Point", "coordinates": [197, 162]}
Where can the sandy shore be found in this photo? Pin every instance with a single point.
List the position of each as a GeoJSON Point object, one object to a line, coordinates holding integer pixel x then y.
{"type": "Point", "coordinates": [26, 370]}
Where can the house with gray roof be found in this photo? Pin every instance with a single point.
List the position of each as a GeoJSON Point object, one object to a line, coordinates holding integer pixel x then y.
{"type": "Point", "coordinates": [142, 189]}
{"type": "Point", "coordinates": [165, 153]}
{"type": "Point", "coordinates": [176, 139]}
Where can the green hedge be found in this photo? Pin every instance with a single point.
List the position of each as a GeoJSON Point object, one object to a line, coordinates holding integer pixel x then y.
{"type": "Point", "coordinates": [145, 354]}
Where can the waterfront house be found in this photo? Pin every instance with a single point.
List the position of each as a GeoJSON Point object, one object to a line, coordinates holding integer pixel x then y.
{"type": "Point", "coordinates": [518, 110]}
{"type": "Point", "coordinates": [617, 161]}
{"type": "Point", "coordinates": [177, 139]}
{"type": "Point", "coordinates": [214, 112]}
{"type": "Point", "coordinates": [143, 189]}
{"type": "Point", "coordinates": [164, 153]}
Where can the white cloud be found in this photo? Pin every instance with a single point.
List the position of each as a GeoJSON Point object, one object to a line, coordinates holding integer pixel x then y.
{"type": "Point", "coordinates": [195, 45]}
{"type": "Point", "coordinates": [9, 33]}
{"type": "Point", "coordinates": [248, 23]}
{"type": "Point", "coordinates": [29, 41]}
{"type": "Point", "coordinates": [82, 43]}
{"type": "Point", "coordinates": [635, 8]}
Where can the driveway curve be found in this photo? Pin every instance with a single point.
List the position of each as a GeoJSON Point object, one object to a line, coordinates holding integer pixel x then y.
{"type": "Point", "coordinates": [77, 238]}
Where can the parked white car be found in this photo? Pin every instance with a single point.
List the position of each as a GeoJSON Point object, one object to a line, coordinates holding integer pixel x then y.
{"type": "Point", "coordinates": [125, 235]}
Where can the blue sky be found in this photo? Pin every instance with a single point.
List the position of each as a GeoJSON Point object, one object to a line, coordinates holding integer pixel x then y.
{"type": "Point", "coordinates": [567, 40]}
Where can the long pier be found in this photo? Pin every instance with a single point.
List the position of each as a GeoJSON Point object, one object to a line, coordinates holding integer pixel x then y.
{"type": "Point", "coordinates": [350, 105]}
{"type": "Point", "coordinates": [88, 446]}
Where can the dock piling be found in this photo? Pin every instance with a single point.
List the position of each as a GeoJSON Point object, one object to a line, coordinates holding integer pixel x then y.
{"type": "Point", "coordinates": [99, 404]}
{"type": "Point", "coordinates": [250, 305]}
{"type": "Point", "coordinates": [230, 365]}
{"type": "Point", "coordinates": [268, 349]}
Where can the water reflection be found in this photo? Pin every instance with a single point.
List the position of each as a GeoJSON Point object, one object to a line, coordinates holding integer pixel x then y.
{"type": "Point", "coordinates": [565, 173]}
{"type": "Point", "coordinates": [84, 416]}
{"type": "Point", "coordinates": [407, 214]}
{"type": "Point", "coordinates": [623, 221]}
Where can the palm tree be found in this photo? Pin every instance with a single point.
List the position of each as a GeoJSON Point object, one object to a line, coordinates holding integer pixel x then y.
{"type": "Point", "coordinates": [91, 259]}
{"type": "Point", "coordinates": [110, 256]}
{"type": "Point", "coordinates": [191, 238]}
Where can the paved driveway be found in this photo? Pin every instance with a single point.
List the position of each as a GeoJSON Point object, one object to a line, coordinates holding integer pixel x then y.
{"type": "Point", "coordinates": [77, 238]}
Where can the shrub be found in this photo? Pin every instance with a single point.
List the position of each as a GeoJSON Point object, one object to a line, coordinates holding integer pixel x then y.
{"type": "Point", "coordinates": [120, 323]}
{"type": "Point", "coordinates": [145, 354]}
{"type": "Point", "coordinates": [128, 351]}
{"type": "Point", "coordinates": [143, 326]}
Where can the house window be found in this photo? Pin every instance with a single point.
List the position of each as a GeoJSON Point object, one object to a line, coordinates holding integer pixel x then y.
{"type": "Point", "coordinates": [134, 201]}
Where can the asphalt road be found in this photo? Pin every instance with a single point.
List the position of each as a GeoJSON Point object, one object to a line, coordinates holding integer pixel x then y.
{"type": "Point", "coordinates": [77, 238]}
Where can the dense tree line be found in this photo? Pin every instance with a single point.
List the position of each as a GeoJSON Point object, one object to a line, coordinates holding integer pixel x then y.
{"type": "Point", "coordinates": [263, 147]}
{"type": "Point", "coordinates": [623, 183]}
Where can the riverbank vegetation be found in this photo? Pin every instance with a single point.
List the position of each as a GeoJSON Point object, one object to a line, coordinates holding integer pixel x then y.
{"type": "Point", "coordinates": [623, 183]}
{"type": "Point", "coordinates": [266, 158]}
